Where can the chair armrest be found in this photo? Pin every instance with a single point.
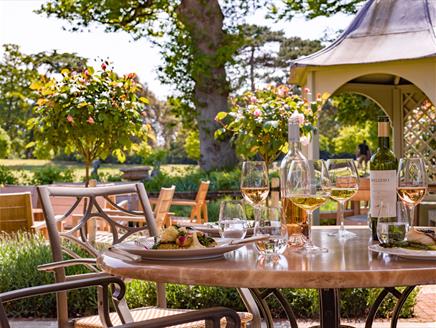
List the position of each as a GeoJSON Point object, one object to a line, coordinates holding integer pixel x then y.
{"type": "Point", "coordinates": [64, 286]}
{"type": "Point", "coordinates": [183, 202]}
{"type": "Point", "coordinates": [38, 225]}
{"type": "Point", "coordinates": [67, 263]}
{"type": "Point", "coordinates": [213, 315]}
{"type": "Point", "coordinates": [123, 204]}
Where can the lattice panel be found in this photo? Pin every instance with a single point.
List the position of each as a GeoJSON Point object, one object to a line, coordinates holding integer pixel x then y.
{"type": "Point", "coordinates": [419, 117]}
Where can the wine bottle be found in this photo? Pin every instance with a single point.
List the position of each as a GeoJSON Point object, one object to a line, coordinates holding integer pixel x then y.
{"type": "Point", "coordinates": [383, 171]}
{"type": "Point", "coordinates": [295, 216]}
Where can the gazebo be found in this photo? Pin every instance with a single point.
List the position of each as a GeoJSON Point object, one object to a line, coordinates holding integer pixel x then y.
{"type": "Point", "coordinates": [388, 54]}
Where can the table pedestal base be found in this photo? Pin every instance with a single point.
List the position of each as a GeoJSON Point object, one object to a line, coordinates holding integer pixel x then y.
{"type": "Point", "coordinates": [255, 302]}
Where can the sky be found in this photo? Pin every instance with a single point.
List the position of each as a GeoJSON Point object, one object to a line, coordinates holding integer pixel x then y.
{"type": "Point", "coordinates": [35, 33]}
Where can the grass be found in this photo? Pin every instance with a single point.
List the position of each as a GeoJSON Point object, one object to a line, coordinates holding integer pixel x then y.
{"type": "Point", "coordinates": [25, 168]}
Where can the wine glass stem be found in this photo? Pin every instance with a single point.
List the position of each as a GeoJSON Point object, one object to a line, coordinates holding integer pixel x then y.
{"type": "Point", "coordinates": [256, 212]}
{"type": "Point", "coordinates": [341, 216]}
{"type": "Point", "coordinates": [412, 216]}
{"type": "Point", "coordinates": [309, 226]}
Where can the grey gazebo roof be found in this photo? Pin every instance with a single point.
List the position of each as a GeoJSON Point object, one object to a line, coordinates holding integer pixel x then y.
{"type": "Point", "coordinates": [383, 30]}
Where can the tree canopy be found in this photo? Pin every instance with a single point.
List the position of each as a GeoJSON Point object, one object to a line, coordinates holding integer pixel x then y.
{"type": "Point", "coordinates": [198, 39]}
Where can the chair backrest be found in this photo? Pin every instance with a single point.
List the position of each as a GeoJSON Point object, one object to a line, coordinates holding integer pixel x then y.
{"type": "Point", "coordinates": [16, 212]}
{"type": "Point", "coordinates": [163, 205]}
{"type": "Point", "coordinates": [200, 198]}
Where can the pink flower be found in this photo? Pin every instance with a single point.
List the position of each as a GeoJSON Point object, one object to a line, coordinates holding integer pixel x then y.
{"type": "Point", "coordinates": [131, 75]}
{"type": "Point", "coordinates": [253, 100]}
{"type": "Point", "coordinates": [304, 140]}
{"type": "Point", "coordinates": [90, 120]}
{"type": "Point", "coordinates": [70, 119]}
{"type": "Point", "coordinates": [299, 117]}
{"type": "Point", "coordinates": [306, 90]}
{"type": "Point", "coordinates": [103, 66]}
{"type": "Point", "coordinates": [282, 91]}
{"type": "Point", "coordinates": [86, 72]}
{"type": "Point", "coordinates": [318, 97]}
{"type": "Point", "coordinates": [257, 112]}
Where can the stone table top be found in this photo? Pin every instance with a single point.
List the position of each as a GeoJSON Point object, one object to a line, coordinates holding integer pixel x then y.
{"type": "Point", "coordinates": [347, 264]}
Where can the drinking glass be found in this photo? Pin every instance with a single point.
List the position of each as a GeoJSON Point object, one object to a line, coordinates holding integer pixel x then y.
{"type": "Point", "coordinates": [391, 230]}
{"type": "Point", "coordinates": [271, 224]}
{"type": "Point", "coordinates": [254, 183]}
{"type": "Point", "coordinates": [411, 183]}
{"type": "Point", "coordinates": [232, 221]}
{"type": "Point", "coordinates": [345, 184]}
{"type": "Point", "coordinates": [309, 188]}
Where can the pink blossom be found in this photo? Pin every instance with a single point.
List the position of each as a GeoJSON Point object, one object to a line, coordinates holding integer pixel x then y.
{"type": "Point", "coordinates": [131, 75]}
{"type": "Point", "coordinates": [282, 90]}
{"type": "Point", "coordinates": [253, 100]}
{"type": "Point", "coordinates": [90, 120]}
{"type": "Point", "coordinates": [299, 117]}
{"type": "Point", "coordinates": [257, 112]}
{"type": "Point", "coordinates": [304, 140]}
{"type": "Point", "coordinates": [86, 72]}
{"type": "Point", "coordinates": [318, 97]}
{"type": "Point", "coordinates": [70, 119]}
{"type": "Point", "coordinates": [306, 90]}
{"type": "Point", "coordinates": [103, 66]}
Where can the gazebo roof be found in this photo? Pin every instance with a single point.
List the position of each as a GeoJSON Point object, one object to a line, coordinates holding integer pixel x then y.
{"type": "Point", "coordinates": [383, 30]}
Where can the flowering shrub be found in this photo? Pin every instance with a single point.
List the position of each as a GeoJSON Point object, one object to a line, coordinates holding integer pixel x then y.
{"type": "Point", "coordinates": [91, 113]}
{"type": "Point", "coordinates": [258, 121]}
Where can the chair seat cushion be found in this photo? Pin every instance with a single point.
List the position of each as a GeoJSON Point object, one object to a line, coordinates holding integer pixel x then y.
{"type": "Point", "coordinates": [148, 313]}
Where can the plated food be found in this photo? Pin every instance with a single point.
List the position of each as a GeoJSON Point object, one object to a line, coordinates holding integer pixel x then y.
{"type": "Point", "coordinates": [176, 237]}
{"type": "Point", "coordinates": [417, 238]}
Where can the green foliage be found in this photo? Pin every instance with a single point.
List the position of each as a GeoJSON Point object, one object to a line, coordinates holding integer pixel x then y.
{"type": "Point", "coordinates": [6, 176]}
{"type": "Point", "coordinates": [5, 144]}
{"type": "Point", "coordinates": [17, 71]}
{"type": "Point", "coordinates": [92, 113]}
{"type": "Point", "coordinates": [351, 136]}
{"type": "Point", "coordinates": [152, 156]}
{"type": "Point", "coordinates": [258, 121]}
{"type": "Point", "coordinates": [192, 145]}
{"type": "Point", "coordinates": [52, 174]}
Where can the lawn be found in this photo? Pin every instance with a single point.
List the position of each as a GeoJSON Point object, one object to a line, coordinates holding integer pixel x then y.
{"type": "Point", "coordinates": [24, 168]}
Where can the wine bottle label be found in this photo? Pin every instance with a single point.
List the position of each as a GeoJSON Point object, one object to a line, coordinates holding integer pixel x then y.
{"type": "Point", "coordinates": [383, 190]}
{"type": "Point", "coordinates": [293, 132]}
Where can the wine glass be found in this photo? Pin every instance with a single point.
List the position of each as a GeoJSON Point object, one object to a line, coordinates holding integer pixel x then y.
{"type": "Point", "coordinates": [391, 230]}
{"type": "Point", "coordinates": [309, 188]}
{"type": "Point", "coordinates": [254, 183]}
{"type": "Point", "coordinates": [411, 183]}
{"type": "Point", "coordinates": [272, 225]}
{"type": "Point", "coordinates": [232, 221]}
{"type": "Point", "coordinates": [345, 184]}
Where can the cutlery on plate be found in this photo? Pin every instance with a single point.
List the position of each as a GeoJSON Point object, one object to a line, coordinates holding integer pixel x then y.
{"type": "Point", "coordinates": [248, 240]}
{"type": "Point", "coordinates": [126, 255]}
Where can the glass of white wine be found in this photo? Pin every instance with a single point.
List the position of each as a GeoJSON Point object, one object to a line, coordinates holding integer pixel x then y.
{"type": "Point", "coordinates": [391, 230]}
{"type": "Point", "coordinates": [411, 183]}
{"type": "Point", "coordinates": [309, 189]}
{"type": "Point", "coordinates": [272, 225]}
{"type": "Point", "coordinates": [254, 183]}
{"type": "Point", "coordinates": [345, 184]}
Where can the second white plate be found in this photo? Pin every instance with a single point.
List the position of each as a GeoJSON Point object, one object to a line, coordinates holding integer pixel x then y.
{"type": "Point", "coordinates": [405, 253]}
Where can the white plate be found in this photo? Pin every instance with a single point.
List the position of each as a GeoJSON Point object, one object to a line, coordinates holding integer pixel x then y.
{"type": "Point", "coordinates": [179, 254]}
{"type": "Point", "coordinates": [211, 229]}
{"type": "Point", "coordinates": [405, 253]}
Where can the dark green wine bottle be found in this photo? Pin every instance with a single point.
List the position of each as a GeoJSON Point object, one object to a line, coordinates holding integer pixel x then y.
{"type": "Point", "coordinates": [383, 177]}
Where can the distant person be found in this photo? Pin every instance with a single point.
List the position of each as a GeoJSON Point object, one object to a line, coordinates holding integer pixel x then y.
{"type": "Point", "coordinates": [363, 155]}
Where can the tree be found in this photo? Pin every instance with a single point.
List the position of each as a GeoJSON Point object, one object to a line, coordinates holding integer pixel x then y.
{"type": "Point", "coordinates": [254, 60]}
{"type": "Point", "coordinates": [17, 71]}
{"type": "Point", "coordinates": [92, 113]}
{"type": "Point", "coordinates": [196, 49]}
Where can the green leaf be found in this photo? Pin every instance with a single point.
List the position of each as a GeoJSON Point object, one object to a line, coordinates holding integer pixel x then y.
{"type": "Point", "coordinates": [220, 116]}
{"type": "Point", "coordinates": [144, 100]}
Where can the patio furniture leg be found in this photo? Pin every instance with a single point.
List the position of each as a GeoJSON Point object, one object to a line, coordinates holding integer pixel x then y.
{"type": "Point", "coordinates": [399, 305]}
{"type": "Point", "coordinates": [251, 306]}
{"type": "Point", "coordinates": [329, 308]}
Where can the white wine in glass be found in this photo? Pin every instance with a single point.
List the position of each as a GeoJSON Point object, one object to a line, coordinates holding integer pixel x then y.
{"type": "Point", "coordinates": [345, 184]}
{"type": "Point", "coordinates": [309, 188]}
{"type": "Point", "coordinates": [254, 184]}
{"type": "Point", "coordinates": [411, 183]}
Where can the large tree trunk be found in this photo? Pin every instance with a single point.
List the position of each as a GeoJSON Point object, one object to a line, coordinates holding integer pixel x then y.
{"type": "Point", "coordinates": [204, 22]}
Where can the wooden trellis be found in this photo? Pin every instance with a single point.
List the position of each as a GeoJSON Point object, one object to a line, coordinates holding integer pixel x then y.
{"type": "Point", "coordinates": [419, 129]}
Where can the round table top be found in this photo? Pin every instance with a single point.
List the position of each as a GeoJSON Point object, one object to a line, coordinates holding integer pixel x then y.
{"type": "Point", "coordinates": [347, 264]}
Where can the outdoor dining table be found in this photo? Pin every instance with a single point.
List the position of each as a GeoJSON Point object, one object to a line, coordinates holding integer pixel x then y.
{"type": "Point", "coordinates": [347, 264]}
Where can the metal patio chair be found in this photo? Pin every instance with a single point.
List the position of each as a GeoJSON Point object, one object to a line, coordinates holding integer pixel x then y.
{"type": "Point", "coordinates": [211, 317]}
{"type": "Point", "coordinates": [83, 235]}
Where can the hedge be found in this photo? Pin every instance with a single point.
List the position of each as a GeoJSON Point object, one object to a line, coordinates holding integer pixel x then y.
{"type": "Point", "coordinates": [21, 253]}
